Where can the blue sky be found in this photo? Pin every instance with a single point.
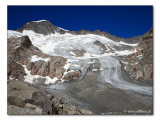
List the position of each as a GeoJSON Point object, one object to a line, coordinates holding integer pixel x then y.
{"type": "Point", "coordinates": [122, 21]}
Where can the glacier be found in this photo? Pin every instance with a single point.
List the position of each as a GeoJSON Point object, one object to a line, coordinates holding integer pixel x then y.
{"type": "Point", "coordinates": [63, 44]}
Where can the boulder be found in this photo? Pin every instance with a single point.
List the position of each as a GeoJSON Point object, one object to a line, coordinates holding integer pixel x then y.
{"type": "Point", "coordinates": [40, 99]}
{"type": "Point", "coordinates": [139, 74]}
{"type": "Point", "coordinates": [85, 112]}
{"type": "Point", "coordinates": [33, 107]}
{"type": "Point", "coordinates": [72, 75]}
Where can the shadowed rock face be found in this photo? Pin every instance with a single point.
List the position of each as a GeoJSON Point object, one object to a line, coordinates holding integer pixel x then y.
{"type": "Point", "coordinates": [26, 42]}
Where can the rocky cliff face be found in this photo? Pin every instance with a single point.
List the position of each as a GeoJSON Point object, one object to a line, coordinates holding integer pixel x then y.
{"type": "Point", "coordinates": [20, 61]}
{"type": "Point", "coordinates": [140, 63]}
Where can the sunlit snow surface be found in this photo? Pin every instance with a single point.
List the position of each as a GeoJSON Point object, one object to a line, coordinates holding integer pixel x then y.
{"type": "Point", "coordinates": [63, 44]}
{"type": "Point", "coordinates": [39, 21]}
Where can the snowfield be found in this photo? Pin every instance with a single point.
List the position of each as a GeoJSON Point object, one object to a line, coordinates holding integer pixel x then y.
{"type": "Point", "coordinates": [63, 44]}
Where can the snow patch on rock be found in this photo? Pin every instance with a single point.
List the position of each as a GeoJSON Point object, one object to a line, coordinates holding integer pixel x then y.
{"type": "Point", "coordinates": [39, 21]}
{"type": "Point", "coordinates": [36, 58]}
{"type": "Point", "coordinates": [31, 78]}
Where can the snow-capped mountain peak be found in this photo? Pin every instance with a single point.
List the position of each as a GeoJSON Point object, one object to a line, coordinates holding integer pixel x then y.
{"type": "Point", "coordinates": [44, 27]}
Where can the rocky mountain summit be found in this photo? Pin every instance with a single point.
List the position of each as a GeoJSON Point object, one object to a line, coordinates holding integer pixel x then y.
{"type": "Point", "coordinates": [42, 27]}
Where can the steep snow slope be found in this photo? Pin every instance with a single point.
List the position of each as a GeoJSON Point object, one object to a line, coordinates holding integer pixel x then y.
{"type": "Point", "coordinates": [63, 44]}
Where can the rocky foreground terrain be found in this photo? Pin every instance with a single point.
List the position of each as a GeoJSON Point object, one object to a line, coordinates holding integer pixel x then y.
{"type": "Point", "coordinates": [56, 71]}
{"type": "Point", "coordinates": [24, 99]}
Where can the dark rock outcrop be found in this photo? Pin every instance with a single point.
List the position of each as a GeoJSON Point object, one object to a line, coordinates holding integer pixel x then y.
{"type": "Point", "coordinates": [26, 42]}
{"type": "Point", "coordinates": [101, 46]}
{"type": "Point", "coordinates": [78, 53]}
{"type": "Point", "coordinates": [73, 75]}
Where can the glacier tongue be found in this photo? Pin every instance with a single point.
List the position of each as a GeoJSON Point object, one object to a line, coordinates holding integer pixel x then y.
{"type": "Point", "coordinates": [111, 74]}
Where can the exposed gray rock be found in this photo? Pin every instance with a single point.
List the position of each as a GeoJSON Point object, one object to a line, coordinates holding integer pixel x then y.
{"type": "Point", "coordinates": [78, 53]}
{"type": "Point", "coordinates": [101, 46]}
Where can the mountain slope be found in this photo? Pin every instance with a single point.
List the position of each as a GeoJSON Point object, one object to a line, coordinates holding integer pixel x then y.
{"type": "Point", "coordinates": [45, 27]}
{"type": "Point", "coordinates": [140, 63]}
